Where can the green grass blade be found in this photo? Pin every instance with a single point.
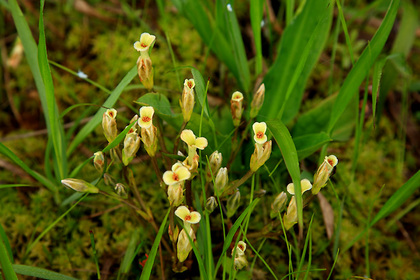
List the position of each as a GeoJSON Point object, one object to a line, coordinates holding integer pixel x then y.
{"type": "Point", "coordinates": [234, 38]}
{"type": "Point", "coordinates": [335, 261]}
{"type": "Point", "coordinates": [288, 150]}
{"type": "Point", "coordinates": [398, 198]}
{"type": "Point", "coordinates": [308, 144]}
{"type": "Point", "coordinates": [4, 186]}
{"type": "Point", "coordinates": [40, 273]}
{"type": "Point", "coordinates": [232, 232]}
{"type": "Point", "coordinates": [131, 251]}
{"type": "Point", "coordinates": [256, 15]}
{"type": "Point", "coordinates": [44, 181]}
{"type": "Point", "coordinates": [6, 243]}
{"type": "Point", "coordinates": [5, 260]}
{"type": "Point", "coordinates": [96, 120]}
{"type": "Point", "coordinates": [95, 256]}
{"type": "Point", "coordinates": [346, 32]}
{"type": "Point", "coordinates": [361, 68]}
{"type": "Point", "coordinates": [55, 129]}
{"type": "Point", "coordinates": [147, 270]}
{"type": "Point", "coordinates": [313, 22]}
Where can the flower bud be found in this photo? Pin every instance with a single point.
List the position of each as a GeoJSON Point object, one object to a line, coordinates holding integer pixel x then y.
{"type": "Point", "coordinates": [278, 204]}
{"type": "Point", "coordinates": [131, 146]}
{"type": "Point", "coordinates": [173, 234]}
{"type": "Point", "coordinates": [115, 154]}
{"type": "Point", "coordinates": [323, 173]}
{"type": "Point", "coordinates": [290, 217]}
{"type": "Point", "coordinates": [240, 262]}
{"type": "Point", "coordinates": [184, 246]}
{"type": "Point", "coordinates": [108, 180]}
{"type": "Point", "coordinates": [109, 124]}
{"type": "Point", "coordinates": [260, 156]}
{"type": "Point", "coordinates": [221, 180]}
{"type": "Point", "coordinates": [260, 193]}
{"type": "Point", "coordinates": [236, 107]}
{"type": "Point", "coordinates": [215, 161]}
{"type": "Point", "coordinates": [175, 194]}
{"type": "Point", "coordinates": [99, 161]}
{"type": "Point", "coordinates": [211, 204]}
{"type": "Point", "coordinates": [121, 190]}
{"type": "Point", "coordinates": [187, 99]}
{"type": "Point", "coordinates": [233, 203]}
{"type": "Point", "coordinates": [149, 139]}
{"type": "Point", "coordinates": [79, 185]}
{"type": "Point", "coordinates": [257, 101]}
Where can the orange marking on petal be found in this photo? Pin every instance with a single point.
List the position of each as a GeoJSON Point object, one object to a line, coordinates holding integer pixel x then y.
{"type": "Point", "coordinates": [188, 217]}
{"type": "Point", "coordinates": [143, 45]}
{"type": "Point", "coordinates": [175, 177]}
{"type": "Point", "coordinates": [260, 134]}
{"type": "Point", "coordinates": [145, 119]}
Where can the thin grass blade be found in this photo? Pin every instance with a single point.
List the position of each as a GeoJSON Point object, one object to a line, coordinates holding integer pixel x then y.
{"type": "Point", "coordinates": [40, 273]}
{"type": "Point", "coordinates": [147, 270]}
{"type": "Point", "coordinates": [6, 257]}
{"type": "Point", "coordinates": [96, 120]}
{"type": "Point", "coordinates": [256, 15]}
{"type": "Point", "coordinates": [361, 68]}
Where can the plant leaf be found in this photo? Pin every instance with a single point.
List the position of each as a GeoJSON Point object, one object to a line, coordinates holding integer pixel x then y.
{"type": "Point", "coordinates": [40, 273]}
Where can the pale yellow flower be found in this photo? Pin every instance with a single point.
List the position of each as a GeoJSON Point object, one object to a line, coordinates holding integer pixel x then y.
{"type": "Point", "coordinates": [146, 40]}
{"type": "Point", "coordinates": [178, 174]}
{"type": "Point", "coordinates": [146, 116]}
{"type": "Point", "coordinates": [259, 132]}
{"type": "Point", "coordinates": [190, 217]}
{"type": "Point", "coordinates": [195, 142]}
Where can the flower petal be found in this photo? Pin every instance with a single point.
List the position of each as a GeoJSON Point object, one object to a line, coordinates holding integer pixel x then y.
{"type": "Point", "coordinates": [183, 173]}
{"type": "Point", "coordinates": [176, 166]}
{"type": "Point", "coordinates": [188, 137]}
{"type": "Point", "coordinates": [305, 185]}
{"type": "Point", "coordinates": [291, 188]}
{"type": "Point", "coordinates": [137, 46]}
{"type": "Point", "coordinates": [331, 160]}
{"type": "Point", "coordinates": [182, 212]}
{"type": "Point", "coordinates": [168, 178]}
{"type": "Point", "coordinates": [237, 96]}
{"type": "Point", "coordinates": [146, 116]}
{"type": "Point", "coordinates": [195, 217]}
{"type": "Point", "coordinates": [201, 143]}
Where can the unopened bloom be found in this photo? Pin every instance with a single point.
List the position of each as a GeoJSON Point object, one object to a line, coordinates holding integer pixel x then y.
{"type": "Point", "coordinates": [236, 107]}
{"type": "Point", "coordinates": [305, 185]}
{"type": "Point", "coordinates": [278, 204]}
{"type": "Point", "coordinates": [233, 203]}
{"type": "Point", "coordinates": [240, 262]}
{"type": "Point", "coordinates": [79, 185]}
{"type": "Point", "coordinates": [261, 155]}
{"type": "Point", "coordinates": [257, 101]}
{"type": "Point", "coordinates": [146, 116]}
{"type": "Point", "coordinates": [215, 162]}
{"type": "Point", "coordinates": [259, 132]}
{"type": "Point", "coordinates": [211, 204]}
{"type": "Point", "coordinates": [324, 172]}
{"type": "Point", "coordinates": [184, 245]}
{"type": "Point", "coordinates": [221, 180]}
{"type": "Point", "coordinates": [175, 194]}
{"type": "Point", "coordinates": [131, 146]}
{"type": "Point", "coordinates": [291, 217]}
{"type": "Point", "coordinates": [109, 124]}
{"type": "Point", "coordinates": [187, 99]}
{"type": "Point", "coordinates": [178, 174]}
{"type": "Point", "coordinates": [121, 190]}
{"type": "Point", "coordinates": [99, 161]}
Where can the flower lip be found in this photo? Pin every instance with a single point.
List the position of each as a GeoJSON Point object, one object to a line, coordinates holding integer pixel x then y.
{"type": "Point", "coordinates": [331, 160]}
{"type": "Point", "coordinates": [259, 132]}
{"type": "Point", "coordinates": [146, 116]}
{"type": "Point", "coordinates": [237, 96]}
{"type": "Point", "coordinates": [305, 185]}
{"type": "Point", "coordinates": [190, 83]}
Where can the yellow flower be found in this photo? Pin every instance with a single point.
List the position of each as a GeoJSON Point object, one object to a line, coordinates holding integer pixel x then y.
{"type": "Point", "coordinates": [259, 132]}
{"type": "Point", "coordinates": [240, 249]}
{"type": "Point", "coordinates": [178, 174]}
{"type": "Point", "coordinates": [146, 116]}
{"type": "Point", "coordinates": [195, 142]}
{"type": "Point", "coordinates": [146, 40]}
{"type": "Point", "coordinates": [305, 185]}
{"type": "Point", "coordinates": [236, 107]}
{"type": "Point", "coordinates": [189, 217]}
